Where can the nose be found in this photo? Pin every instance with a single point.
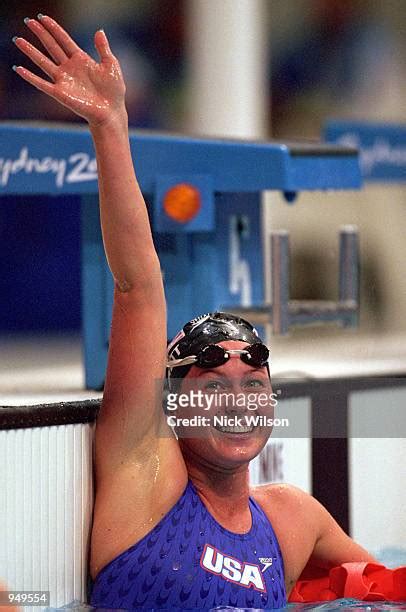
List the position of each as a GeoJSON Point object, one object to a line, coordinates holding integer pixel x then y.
{"type": "Point", "coordinates": [235, 404]}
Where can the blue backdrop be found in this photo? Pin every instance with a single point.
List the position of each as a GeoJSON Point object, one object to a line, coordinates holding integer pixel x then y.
{"type": "Point", "coordinates": [40, 263]}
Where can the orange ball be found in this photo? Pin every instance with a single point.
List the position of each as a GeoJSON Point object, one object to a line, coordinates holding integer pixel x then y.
{"type": "Point", "coordinates": [182, 202]}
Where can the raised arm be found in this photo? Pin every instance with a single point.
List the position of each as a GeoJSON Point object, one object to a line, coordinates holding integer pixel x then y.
{"type": "Point", "coordinates": [95, 91]}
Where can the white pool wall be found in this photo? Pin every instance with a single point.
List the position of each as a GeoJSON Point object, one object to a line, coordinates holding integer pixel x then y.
{"type": "Point", "coordinates": [46, 503]}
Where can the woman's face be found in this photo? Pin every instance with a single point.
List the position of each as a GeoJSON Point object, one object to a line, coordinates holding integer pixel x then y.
{"type": "Point", "coordinates": [230, 398]}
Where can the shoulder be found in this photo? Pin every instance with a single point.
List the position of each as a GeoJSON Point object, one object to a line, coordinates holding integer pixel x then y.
{"type": "Point", "coordinates": [280, 493]}
{"type": "Point", "coordinates": [287, 505]}
{"type": "Point", "coordinates": [285, 500]}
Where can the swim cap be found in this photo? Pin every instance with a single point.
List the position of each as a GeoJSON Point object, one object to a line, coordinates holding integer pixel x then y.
{"type": "Point", "coordinates": [210, 328]}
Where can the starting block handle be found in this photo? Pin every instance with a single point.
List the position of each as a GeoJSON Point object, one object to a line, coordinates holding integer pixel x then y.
{"type": "Point", "coordinates": [280, 281]}
{"type": "Point", "coordinates": [283, 312]}
{"type": "Point", "coordinates": [349, 276]}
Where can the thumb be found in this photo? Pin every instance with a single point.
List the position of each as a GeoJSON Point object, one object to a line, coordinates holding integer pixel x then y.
{"type": "Point", "coordinates": [102, 45]}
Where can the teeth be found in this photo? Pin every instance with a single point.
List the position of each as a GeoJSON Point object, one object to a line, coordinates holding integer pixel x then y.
{"type": "Point", "coordinates": [234, 429]}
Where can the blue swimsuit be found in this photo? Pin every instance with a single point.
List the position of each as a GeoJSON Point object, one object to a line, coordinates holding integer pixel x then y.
{"type": "Point", "coordinates": [190, 561]}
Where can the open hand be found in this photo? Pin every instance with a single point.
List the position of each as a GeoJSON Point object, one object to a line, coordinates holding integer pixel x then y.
{"type": "Point", "coordinates": [92, 90]}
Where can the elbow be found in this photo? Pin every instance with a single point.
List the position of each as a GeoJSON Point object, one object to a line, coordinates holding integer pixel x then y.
{"type": "Point", "coordinates": [123, 286]}
{"type": "Point", "coordinates": [144, 290]}
{"type": "Point", "coordinates": [145, 278]}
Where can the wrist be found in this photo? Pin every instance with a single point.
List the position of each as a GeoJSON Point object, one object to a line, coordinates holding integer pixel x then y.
{"type": "Point", "coordinates": [116, 122]}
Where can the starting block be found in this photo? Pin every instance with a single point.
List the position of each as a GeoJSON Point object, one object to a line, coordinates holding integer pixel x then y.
{"type": "Point", "coordinates": [204, 200]}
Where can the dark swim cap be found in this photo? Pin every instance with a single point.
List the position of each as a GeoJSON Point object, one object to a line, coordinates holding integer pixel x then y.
{"type": "Point", "coordinates": [210, 328]}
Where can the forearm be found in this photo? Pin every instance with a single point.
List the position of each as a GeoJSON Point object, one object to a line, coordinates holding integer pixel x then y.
{"type": "Point", "coordinates": [124, 219]}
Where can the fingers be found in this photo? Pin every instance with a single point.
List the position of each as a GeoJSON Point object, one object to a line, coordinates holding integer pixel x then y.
{"type": "Point", "coordinates": [41, 60]}
{"type": "Point", "coordinates": [35, 80]}
{"type": "Point", "coordinates": [60, 35]}
{"type": "Point", "coordinates": [102, 45]}
{"type": "Point", "coordinates": [51, 45]}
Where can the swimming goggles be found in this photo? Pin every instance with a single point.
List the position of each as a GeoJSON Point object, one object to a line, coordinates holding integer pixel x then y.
{"type": "Point", "coordinates": [213, 355]}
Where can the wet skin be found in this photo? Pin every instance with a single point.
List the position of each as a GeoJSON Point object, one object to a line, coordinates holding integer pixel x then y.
{"type": "Point", "coordinates": [227, 451]}
{"type": "Point", "coordinates": [140, 476]}
{"type": "Point", "coordinates": [218, 466]}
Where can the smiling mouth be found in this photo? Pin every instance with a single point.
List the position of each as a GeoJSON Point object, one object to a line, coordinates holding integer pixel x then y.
{"type": "Point", "coordinates": [234, 429]}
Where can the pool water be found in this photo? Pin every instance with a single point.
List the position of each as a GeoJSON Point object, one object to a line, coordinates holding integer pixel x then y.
{"type": "Point", "coordinates": [338, 605]}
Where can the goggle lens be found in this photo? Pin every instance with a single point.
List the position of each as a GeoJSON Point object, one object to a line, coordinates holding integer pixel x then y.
{"type": "Point", "coordinates": [213, 355]}
{"type": "Point", "coordinates": [257, 355]}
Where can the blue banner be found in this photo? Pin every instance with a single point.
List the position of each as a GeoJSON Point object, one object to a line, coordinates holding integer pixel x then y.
{"type": "Point", "coordinates": [60, 159]}
{"type": "Point", "coordinates": [382, 148]}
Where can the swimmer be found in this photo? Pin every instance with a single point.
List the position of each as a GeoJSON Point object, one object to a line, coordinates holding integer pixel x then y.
{"type": "Point", "coordinates": [176, 522]}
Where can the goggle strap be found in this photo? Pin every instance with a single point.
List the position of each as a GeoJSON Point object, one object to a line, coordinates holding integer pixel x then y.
{"type": "Point", "coordinates": [183, 361]}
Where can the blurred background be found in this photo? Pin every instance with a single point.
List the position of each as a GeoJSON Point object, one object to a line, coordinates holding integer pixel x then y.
{"type": "Point", "coordinates": [189, 67]}
{"type": "Point", "coordinates": [256, 69]}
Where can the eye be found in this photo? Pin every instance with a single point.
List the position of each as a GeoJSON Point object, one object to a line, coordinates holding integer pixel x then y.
{"type": "Point", "coordinates": [214, 385]}
{"type": "Point", "coordinates": [254, 382]}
